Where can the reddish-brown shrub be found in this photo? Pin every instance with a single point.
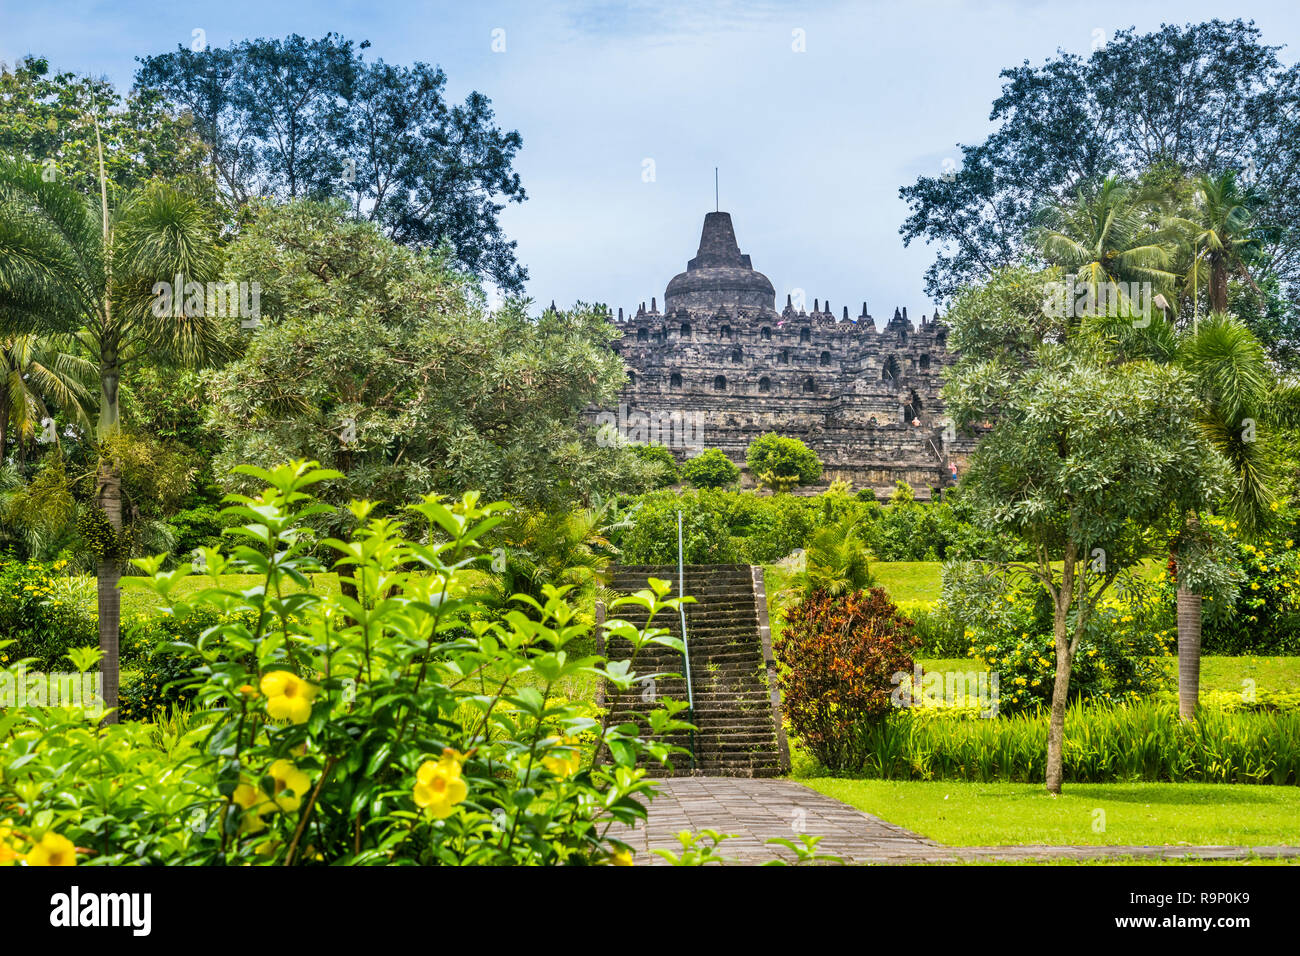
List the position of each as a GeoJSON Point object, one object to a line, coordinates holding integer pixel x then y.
{"type": "Point", "coordinates": [840, 655]}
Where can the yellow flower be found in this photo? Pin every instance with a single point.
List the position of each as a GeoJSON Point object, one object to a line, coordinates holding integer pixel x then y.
{"type": "Point", "coordinates": [291, 785]}
{"type": "Point", "coordinates": [8, 855]}
{"type": "Point", "coordinates": [52, 850]}
{"type": "Point", "coordinates": [254, 802]}
{"type": "Point", "coordinates": [621, 858]}
{"type": "Point", "coordinates": [438, 786]}
{"type": "Point", "coordinates": [567, 762]}
{"type": "Point", "coordinates": [288, 696]}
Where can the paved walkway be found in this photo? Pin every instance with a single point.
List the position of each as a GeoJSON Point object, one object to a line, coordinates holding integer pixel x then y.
{"type": "Point", "coordinates": [757, 810]}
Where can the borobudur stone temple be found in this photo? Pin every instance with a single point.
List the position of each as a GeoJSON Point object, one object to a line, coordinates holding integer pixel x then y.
{"type": "Point", "coordinates": [720, 366]}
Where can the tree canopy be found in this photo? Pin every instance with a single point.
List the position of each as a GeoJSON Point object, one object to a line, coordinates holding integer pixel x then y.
{"type": "Point", "coordinates": [298, 118]}
{"type": "Point", "coordinates": [383, 362]}
{"type": "Point", "coordinates": [1176, 102]}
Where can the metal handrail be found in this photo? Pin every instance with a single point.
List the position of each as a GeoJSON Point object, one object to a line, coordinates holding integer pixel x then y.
{"type": "Point", "coordinates": [686, 646]}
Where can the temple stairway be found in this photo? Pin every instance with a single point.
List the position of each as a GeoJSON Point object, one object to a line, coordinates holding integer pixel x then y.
{"type": "Point", "coordinates": [737, 711]}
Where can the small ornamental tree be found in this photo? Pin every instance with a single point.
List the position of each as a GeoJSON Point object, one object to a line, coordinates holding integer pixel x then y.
{"type": "Point", "coordinates": [1088, 459]}
{"type": "Point", "coordinates": [840, 656]}
{"type": "Point", "coordinates": [781, 463]}
{"type": "Point", "coordinates": [711, 469]}
{"type": "Point", "coordinates": [662, 462]}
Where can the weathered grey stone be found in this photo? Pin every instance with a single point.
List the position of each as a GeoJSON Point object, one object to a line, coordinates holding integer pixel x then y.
{"type": "Point", "coordinates": [866, 400]}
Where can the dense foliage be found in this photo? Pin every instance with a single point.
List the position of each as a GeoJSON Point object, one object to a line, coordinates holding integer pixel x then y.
{"type": "Point", "coordinates": [1142, 104]}
{"type": "Point", "coordinates": [1107, 743]}
{"type": "Point", "coordinates": [298, 118]}
{"type": "Point", "coordinates": [711, 468]}
{"type": "Point", "coordinates": [840, 657]}
{"type": "Point", "coordinates": [1007, 626]}
{"type": "Point", "coordinates": [780, 462]}
{"type": "Point", "coordinates": [407, 725]}
{"type": "Point", "coordinates": [384, 363]}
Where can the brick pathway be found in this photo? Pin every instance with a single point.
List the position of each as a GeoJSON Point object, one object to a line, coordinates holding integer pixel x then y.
{"type": "Point", "coordinates": [756, 810]}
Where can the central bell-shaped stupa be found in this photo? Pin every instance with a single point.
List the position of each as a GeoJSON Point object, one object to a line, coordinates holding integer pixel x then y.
{"type": "Point", "coordinates": [719, 275]}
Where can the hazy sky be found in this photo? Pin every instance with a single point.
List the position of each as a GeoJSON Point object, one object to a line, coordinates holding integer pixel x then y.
{"type": "Point", "coordinates": [812, 146]}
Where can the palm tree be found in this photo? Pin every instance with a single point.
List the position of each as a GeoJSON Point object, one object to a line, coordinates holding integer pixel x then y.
{"type": "Point", "coordinates": [1225, 235]}
{"type": "Point", "coordinates": [836, 561]}
{"type": "Point", "coordinates": [1106, 236]}
{"type": "Point", "coordinates": [1231, 371]}
{"type": "Point", "coordinates": [66, 266]}
{"type": "Point", "coordinates": [36, 373]}
{"type": "Point", "coordinates": [559, 548]}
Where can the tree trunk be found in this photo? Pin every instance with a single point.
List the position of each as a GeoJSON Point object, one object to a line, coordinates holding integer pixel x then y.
{"type": "Point", "coordinates": [1218, 285]}
{"type": "Point", "coordinates": [1060, 693]}
{"type": "Point", "coordinates": [108, 496]}
{"type": "Point", "coordinates": [1189, 652]}
{"type": "Point", "coordinates": [4, 418]}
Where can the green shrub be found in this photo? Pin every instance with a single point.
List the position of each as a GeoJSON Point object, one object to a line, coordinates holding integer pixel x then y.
{"type": "Point", "coordinates": [1265, 618]}
{"type": "Point", "coordinates": [160, 678]}
{"type": "Point", "coordinates": [1105, 743]}
{"type": "Point", "coordinates": [44, 612]}
{"type": "Point", "coordinates": [718, 527]}
{"type": "Point", "coordinates": [784, 458]}
{"type": "Point", "coordinates": [409, 725]}
{"type": "Point", "coordinates": [839, 657]}
{"type": "Point", "coordinates": [939, 634]}
{"type": "Point", "coordinates": [666, 474]}
{"type": "Point", "coordinates": [197, 527]}
{"type": "Point", "coordinates": [711, 469]}
{"type": "Point", "coordinates": [1009, 627]}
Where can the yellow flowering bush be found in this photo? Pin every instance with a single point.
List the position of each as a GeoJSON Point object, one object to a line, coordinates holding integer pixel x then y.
{"type": "Point", "coordinates": [1263, 616]}
{"type": "Point", "coordinates": [1119, 657]}
{"type": "Point", "coordinates": [407, 721]}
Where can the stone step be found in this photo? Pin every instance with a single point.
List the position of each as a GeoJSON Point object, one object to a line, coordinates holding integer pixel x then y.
{"type": "Point", "coordinates": [735, 733]}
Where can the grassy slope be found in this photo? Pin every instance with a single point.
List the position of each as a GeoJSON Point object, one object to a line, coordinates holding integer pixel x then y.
{"type": "Point", "coordinates": [995, 814]}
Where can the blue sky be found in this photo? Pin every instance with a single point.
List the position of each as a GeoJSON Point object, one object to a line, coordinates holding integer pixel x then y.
{"type": "Point", "coordinates": [812, 146]}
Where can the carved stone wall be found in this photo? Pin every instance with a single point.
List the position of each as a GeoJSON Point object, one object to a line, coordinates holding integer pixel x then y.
{"type": "Point", "coordinates": [721, 359]}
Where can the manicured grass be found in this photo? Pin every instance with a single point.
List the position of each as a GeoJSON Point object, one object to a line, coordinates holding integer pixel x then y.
{"type": "Point", "coordinates": [1000, 814]}
{"type": "Point", "coordinates": [921, 581]}
{"type": "Point", "coordinates": [909, 580]}
{"type": "Point", "coordinates": [137, 600]}
{"type": "Point", "coordinates": [1217, 673]}
{"type": "Point", "coordinates": [1227, 673]}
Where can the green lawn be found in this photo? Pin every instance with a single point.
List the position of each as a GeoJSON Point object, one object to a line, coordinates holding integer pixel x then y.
{"type": "Point", "coordinates": [137, 600]}
{"type": "Point", "coordinates": [908, 580]}
{"type": "Point", "coordinates": [999, 814]}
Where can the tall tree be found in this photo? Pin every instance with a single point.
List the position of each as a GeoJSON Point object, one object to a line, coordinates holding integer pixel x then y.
{"type": "Point", "coordinates": [1230, 373]}
{"type": "Point", "coordinates": [310, 118]}
{"type": "Point", "coordinates": [38, 375]}
{"type": "Point", "coordinates": [1225, 234]}
{"type": "Point", "coordinates": [1202, 98]}
{"type": "Point", "coordinates": [1106, 236]}
{"type": "Point", "coordinates": [51, 118]}
{"type": "Point", "coordinates": [69, 264]}
{"type": "Point", "coordinates": [1086, 453]}
{"type": "Point", "coordinates": [382, 362]}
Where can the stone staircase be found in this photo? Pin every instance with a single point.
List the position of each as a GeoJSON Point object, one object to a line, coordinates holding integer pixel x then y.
{"type": "Point", "coordinates": [737, 707]}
